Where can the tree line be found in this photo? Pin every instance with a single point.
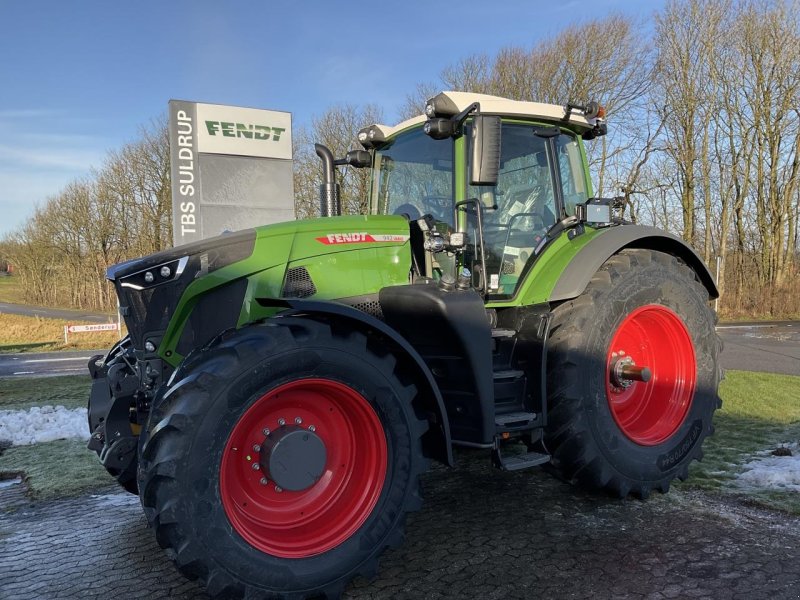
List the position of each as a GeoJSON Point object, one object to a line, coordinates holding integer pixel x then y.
{"type": "Point", "coordinates": [121, 211]}
{"type": "Point", "coordinates": [704, 128]}
{"type": "Point", "coordinates": [703, 105]}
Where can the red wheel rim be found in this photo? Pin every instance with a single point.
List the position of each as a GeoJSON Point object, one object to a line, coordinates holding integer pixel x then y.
{"type": "Point", "coordinates": [312, 521]}
{"type": "Point", "coordinates": [650, 412]}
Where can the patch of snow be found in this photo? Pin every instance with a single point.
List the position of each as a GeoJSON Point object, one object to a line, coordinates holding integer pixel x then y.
{"type": "Point", "coordinates": [773, 472]}
{"type": "Point", "coordinates": [6, 483]}
{"type": "Point", "coordinates": [43, 424]}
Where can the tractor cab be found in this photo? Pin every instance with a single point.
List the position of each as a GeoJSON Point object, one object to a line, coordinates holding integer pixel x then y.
{"type": "Point", "coordinates": [503, 173]}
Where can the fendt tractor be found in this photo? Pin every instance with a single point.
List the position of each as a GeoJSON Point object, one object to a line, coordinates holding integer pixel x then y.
{"type": "Point", "coordinates": [282, 389]}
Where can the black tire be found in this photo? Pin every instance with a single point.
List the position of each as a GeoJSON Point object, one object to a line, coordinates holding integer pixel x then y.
{"type": "Point", "coordinates": [588, 445]}
{"type": "Point", "coordinates": [182, 454]}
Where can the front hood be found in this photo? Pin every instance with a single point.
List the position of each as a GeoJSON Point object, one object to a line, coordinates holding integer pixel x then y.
{"type": "Point", "coordinates": [315, 237]}
{"type": "Point", "coordinates": [226, 248]}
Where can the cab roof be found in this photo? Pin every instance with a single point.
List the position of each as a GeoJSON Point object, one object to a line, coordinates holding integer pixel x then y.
{"type": "Point", "coordinates": [452, 103]}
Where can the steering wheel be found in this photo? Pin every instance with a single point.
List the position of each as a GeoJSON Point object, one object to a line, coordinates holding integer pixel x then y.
{"type": "Point", "coordinates": [408, 210]}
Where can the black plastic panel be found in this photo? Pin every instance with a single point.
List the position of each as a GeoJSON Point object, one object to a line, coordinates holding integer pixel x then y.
{"type": "Point", "coordinates": [451, 332]}
{"type": "Point", "coordinates": [214, 312]}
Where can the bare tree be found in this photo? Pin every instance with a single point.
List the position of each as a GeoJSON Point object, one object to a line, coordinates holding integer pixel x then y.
{"type": "Point", "coordinates": [337, 129]}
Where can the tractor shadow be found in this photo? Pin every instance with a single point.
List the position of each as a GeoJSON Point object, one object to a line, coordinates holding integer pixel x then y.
{"type": "Point", "coordinates": [483, 533]}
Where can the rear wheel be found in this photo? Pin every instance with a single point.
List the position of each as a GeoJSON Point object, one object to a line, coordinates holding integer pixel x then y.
{"type": "Point", "coordinates": [283, 461]}
{"type": "Point", "coordinates": [632, 376]}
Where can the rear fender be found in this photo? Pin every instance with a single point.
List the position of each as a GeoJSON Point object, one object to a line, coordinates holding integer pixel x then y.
{"type": "Point", "coordinates": [436, 442]}
{"type": "Point", "coordinates": [589, 259]}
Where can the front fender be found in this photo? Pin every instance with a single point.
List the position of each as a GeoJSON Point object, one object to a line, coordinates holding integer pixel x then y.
{"type": "Point", "coordinates": [437, 441]}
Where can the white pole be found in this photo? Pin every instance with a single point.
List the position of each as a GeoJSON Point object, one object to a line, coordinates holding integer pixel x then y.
{"type": "Point", "coordinates": [716, 302]}
{"type": "Point", "coordinates": [65, 335]}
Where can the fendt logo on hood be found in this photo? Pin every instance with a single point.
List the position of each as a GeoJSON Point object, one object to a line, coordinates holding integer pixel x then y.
{"type": "Point", "coordinates": [360, 237]}
{"type": "Point", "coordinates": [244, 130]}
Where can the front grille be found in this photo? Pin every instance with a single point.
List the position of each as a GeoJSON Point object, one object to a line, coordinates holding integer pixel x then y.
{"type": "Point", "coordinates": [298, 283]}
{"type": "Point", "coordinates": [372, 307]}
{"type": "Point", "coordinates": [148, 311]}
{"type": "Point", "coordinates": [368, 304]}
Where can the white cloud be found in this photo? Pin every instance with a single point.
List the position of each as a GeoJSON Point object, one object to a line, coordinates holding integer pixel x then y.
{"type": "Point", "coordinates": [41, 151]}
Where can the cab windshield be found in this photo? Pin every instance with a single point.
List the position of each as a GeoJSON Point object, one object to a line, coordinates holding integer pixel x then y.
{"type": "Point", "coordinates": [414, 177]}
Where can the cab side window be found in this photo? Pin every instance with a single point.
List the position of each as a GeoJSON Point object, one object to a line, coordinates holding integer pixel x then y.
{"type": "Point", "coordinates": [570, 166]}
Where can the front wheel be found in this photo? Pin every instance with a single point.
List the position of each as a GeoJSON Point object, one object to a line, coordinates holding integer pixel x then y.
{"type": "Point", "coordinates": [633, 373]}
{"type": "Point", "coordinates": [284, 461]}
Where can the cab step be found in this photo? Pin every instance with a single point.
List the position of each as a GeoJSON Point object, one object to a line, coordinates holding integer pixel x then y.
{"type": "Point", "coordinates": [508, 374]}
{"type": "Point", "coordinates": [517, 462]}
{"type": "Point", "coordinates": [499, 332]}
{"type": "Point", "coordinates": [515, 421]}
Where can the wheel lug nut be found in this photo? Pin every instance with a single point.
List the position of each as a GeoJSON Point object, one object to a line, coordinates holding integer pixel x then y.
{"type": "Point", "coordinates": [264, 481]}
{"type": "Point", "coordinates": [297, 420]}
{"type": "Point", "coordinates": [281, 421]}
{"type": "Point", "coordinates": [265, 431]}
{"type": "Point", "coordinates": [278, 489]}
{"type": "Point", "coordinates": [256, 448]}
{"type": "Point", "coordinates": [312, 428]}
{"type": "Point", "coordinates": [256, 466]}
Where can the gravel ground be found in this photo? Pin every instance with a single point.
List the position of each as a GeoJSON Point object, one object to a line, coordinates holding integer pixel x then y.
{"type": "Point", "coordinates": [481, 534]}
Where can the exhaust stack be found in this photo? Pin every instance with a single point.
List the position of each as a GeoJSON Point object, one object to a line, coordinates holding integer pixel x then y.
{"type": "Point", "coordinates": [330, 204]}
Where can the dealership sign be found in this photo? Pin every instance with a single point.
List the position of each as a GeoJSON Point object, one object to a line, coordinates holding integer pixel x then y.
{"type": "Point", "coordinates": [231, 168]}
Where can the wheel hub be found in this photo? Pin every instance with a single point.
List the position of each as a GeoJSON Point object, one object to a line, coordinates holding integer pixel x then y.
{"type": "Point", "coordinates": [293, 457]}
{"type": "Point", "coordinates": [624, 371]}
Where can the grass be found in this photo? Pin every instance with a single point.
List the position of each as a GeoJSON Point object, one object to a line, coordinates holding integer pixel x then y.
{"type": "Point", "coordinates": [11, 290]}
{"type": "Point", "coordinates": [56, 469]}
{"type": "Point", "coordinates": [36, 334]}
{"type": "Point", "coordinates": [71, 391]}
{"type": "Point", "coordinates": [760, 411]}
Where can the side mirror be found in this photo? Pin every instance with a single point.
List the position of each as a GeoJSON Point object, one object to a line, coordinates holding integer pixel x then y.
{"type": "Point", "coordinates": [484, 165]}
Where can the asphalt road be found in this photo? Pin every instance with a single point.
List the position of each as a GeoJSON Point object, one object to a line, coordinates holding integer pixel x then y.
{"type": "Point", "coordinates": [55, 313]}
{"type": "Point", "coordinates": [769, 347]}
{"type": "Point", "coordinates": [42, 364]}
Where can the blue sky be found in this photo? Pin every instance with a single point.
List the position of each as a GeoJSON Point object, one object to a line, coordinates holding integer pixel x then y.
{"type": "Point", "coordinates": [78, 79]}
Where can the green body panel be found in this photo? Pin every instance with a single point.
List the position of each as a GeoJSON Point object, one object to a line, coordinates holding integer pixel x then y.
{"type": "Point", "coordinates": [345, 256]}
{"type": "Point", "coordinates": [343, 259]}
{"type": "Point", "coordinates": [538, 284]}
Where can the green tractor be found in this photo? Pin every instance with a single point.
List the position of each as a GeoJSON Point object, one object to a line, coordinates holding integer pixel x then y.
{"type": "Point", "coordinates": [282, 389]}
